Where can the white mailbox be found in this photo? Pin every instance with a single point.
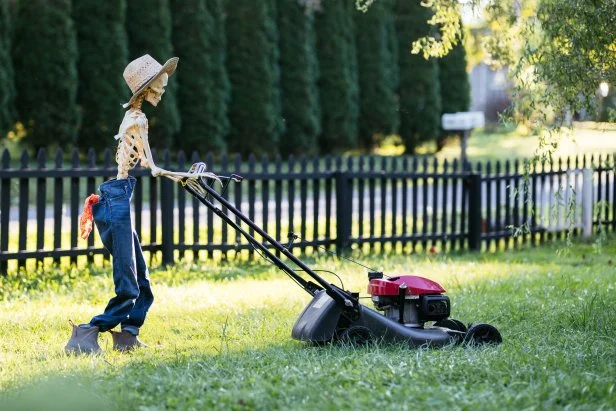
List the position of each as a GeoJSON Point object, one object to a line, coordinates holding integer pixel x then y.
{"type": "Point", "coordinates": [463, 121]}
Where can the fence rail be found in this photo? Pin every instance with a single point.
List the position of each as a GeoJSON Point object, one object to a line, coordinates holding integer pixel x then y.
{"type": "Point", "coordinates": [407, 204]}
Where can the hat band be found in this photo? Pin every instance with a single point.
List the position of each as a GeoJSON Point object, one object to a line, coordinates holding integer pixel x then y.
{"type": "Point", "coordinates": [143, 83]}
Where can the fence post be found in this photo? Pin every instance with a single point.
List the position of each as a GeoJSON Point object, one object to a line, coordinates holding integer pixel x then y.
{"type": "Point", "coordinates": [474, 212]}
{"type": "Point", "coordinates": [343, 211]}
{"type": "Point", "coordinates": [587, 202]}
{"type": "Point", "coordinates": [166, 209]}
{"type": "Point", "coordinates": [5, 206]}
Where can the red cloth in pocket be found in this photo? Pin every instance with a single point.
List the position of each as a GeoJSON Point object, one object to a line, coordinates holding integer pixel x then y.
{"type": "Point", "coordinates": [85, 221]}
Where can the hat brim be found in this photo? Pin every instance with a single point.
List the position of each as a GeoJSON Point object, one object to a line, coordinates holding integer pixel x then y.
{"type": "Point", "coordinates": [169, 68]}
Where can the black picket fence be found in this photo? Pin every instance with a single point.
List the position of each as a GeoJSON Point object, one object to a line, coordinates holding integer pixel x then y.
{"type": "Point", "coordinates": [404, 204]}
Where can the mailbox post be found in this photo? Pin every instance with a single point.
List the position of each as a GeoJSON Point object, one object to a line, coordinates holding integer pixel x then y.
{"type": "Point", "coordinates": [463, 122]}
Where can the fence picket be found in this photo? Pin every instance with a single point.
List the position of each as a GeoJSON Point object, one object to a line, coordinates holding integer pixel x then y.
{"type": "Point", "coordinates": [454, 205]}
{"type": "Point", "coordinates": [599, 212]}
{"type": "Point", "coordinates": [613, 185]}
{"type": "Point", "coordinates": [424, 205]}
{"type": "Point", "coordinates": [404, 205]}
{"type": "Point", "coordinates": [265, 183]}
{"type": "Point", "coordinates": [5, 209]}
{"type": "Point", "coordinates": [361, 183]}
{"type": "Point", "coordinates": [224, 167]}
{"type": "Point", "coordinates": [303, 199]}
{"type": "Point", "coordinates": [166, 213]}
{"type": "Point", "coordinates": [251, 197]}
{"type": "Point", "coordinates": [434, 206]}
{"type": "Point", "coordinates": [237, 196]}
{"type": "Point", "coordinates": [90, 183]}
{"type": "Point", "coordinates": [181, 197]}
{"type": "Point", "coordinates": [371, 191]}
{"type": "Point", "coordinates": [394, 203]}
{"type": "Point", "coordinates": [383, 191]}
{"type": "Point", "coordinates": [488, 223]}
{"type": "Point", "coordinates": [24, 184]}
{"type": "Point", "coordinates": [41, 194]}
{"type": "Point", "coordinates": [509, 242]}
{"type": "Point", "coordinates": [414, 203]}
{"type": "Point", "coordinates": [316, 188]}
{"type": "Point", "coordinates": [57, 206]}
{"type": "Point", "coordinates": [209, 159]}
{"type": "Point", "coordinates": [74, 207]}
{"type": "Point", "coordinates": [445, 229]}
{"type": "Point", "coordinates": [196, 216]}
{"type": "Point", "coordinates": [328, 200]}
{"type": "Point", "coordinates": [278, 200]}
{"type": "Point", "coordinates": [291, 194]}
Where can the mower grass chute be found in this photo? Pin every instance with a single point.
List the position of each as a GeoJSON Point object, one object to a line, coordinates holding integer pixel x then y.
{"type": "Point", "coordinates": [404, 305]}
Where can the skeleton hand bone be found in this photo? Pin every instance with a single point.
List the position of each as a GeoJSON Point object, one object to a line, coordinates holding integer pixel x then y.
{"type": "Point", "coordinates": [196, 171]}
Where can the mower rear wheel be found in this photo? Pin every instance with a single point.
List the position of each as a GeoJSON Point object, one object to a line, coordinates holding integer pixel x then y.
{"type": "Point", "coordinates": [452, 324]}
{"type": "Point", "coordinates": [482, 334]}
{"type": "Point", "coordinates": [356, 335]}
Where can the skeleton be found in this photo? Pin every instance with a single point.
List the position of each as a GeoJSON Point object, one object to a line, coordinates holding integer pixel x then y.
{"type": "Point", "coordinates": [134, 147]}
{"type": "Point", "coordinates": [147, 80]}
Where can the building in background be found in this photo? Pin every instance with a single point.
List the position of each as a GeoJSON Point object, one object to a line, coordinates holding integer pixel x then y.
{"type": "Point", "coordinates": [490, 91]}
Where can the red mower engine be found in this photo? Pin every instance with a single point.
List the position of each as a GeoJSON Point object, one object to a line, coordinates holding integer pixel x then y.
{"type": "Point", "coordinates": [408, 299]}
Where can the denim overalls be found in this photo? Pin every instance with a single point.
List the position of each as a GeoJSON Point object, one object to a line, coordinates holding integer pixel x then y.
{"type": "Point", "coordinates": [130, 274]}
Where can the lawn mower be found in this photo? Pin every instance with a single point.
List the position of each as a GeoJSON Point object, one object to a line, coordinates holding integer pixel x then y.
{"type": "Point", "coordinates": [405, 304]}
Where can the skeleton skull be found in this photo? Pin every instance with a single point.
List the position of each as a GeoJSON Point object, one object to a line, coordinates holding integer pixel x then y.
{"type": "Point", "coordinates": [156, 89]}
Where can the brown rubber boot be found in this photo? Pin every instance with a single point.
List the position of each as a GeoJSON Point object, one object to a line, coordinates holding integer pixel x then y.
{"type": "Point", "coordinates": [83, 341]}
{"type": "Point", "coordinates": [125, 341]}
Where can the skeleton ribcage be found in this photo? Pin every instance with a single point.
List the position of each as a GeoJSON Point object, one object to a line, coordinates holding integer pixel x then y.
{"type": "Point", "coordinates": [133, 130]}
{"type": "Point", "coordinates": [129, 153]}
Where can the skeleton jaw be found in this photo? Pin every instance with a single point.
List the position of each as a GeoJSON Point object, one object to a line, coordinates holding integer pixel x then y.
{"type": "Point", "coordinates": [156, 90]}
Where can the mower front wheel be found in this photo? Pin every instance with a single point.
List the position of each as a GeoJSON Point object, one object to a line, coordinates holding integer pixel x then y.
{"type": "Point", "coordinates": [478, 334]}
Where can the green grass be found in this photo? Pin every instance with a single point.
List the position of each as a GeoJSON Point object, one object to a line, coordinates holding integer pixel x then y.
{"type": "Point", "coordinates": [220, 338]}
{"type": "Point", "coordinates": [504, 144]}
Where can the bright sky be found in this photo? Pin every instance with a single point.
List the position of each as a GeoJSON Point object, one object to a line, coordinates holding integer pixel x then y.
{"type": "Point", "coordinates": [470, 14]}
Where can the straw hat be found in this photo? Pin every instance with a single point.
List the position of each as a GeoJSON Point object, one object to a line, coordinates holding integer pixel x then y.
{"type": "Point", "coordinates": [141, 72]}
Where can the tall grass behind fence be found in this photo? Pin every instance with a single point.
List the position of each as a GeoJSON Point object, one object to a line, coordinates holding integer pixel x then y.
{"type": "Point", "coordinates": [404, 204]}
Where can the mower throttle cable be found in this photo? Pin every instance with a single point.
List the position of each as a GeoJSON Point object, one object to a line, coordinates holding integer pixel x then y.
{"type": "Point", "coordinates": [327, 271]}
{"type": "Point", "coordinates": [293, 237]}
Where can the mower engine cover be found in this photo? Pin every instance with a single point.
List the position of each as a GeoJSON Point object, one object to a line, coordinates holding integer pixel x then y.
{"type": "Point", "coordinates": [421, 298]}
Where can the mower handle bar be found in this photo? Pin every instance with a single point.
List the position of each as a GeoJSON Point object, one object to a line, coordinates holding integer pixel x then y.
{"type": "Point", "coordinates": [336, 293]}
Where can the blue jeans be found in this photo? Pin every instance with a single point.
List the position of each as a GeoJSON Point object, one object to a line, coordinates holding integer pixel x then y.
{"type": "Point", "coordinates": [133, 296]}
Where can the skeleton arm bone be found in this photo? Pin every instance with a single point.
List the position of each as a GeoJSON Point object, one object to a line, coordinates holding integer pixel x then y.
{"type": "Point", "coordinates": [148, 161]}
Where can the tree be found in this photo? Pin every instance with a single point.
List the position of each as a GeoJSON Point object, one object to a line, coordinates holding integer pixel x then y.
{"type": "Point", "coordinates": [299, 74]}
{"type": "Point", "coordinates": [103, 55]}
{"type": "Point", "coordinates": [454, 85]}
{"type": "Point", "coordinates": [45, 56]}
{"type": "Point", "coordinates": [419, 93]}
{"type": "Point", "coordinates": [252, 64]}
{"type": "Point", "coordinates": [570, 56]}
{"type": "Point", "coordinates": [7, 97]}
{"type": "Point", "coordinates": [203, 85]}
{"type": "Point", "coordinates": [558, 53]}
{"type": "Point", "coordinates": [149, 28]}
{"type": "Point", "coordinates": [377, 56]}
{"type": "Point", "coordinates": [338, 83]}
